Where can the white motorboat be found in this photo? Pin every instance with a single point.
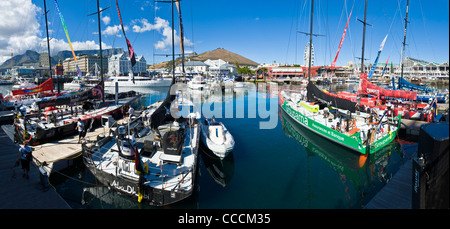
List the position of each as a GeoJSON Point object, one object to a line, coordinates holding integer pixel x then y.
{"type": "Point", "coordinates": [197, 83]}
{"type": "Point", "coordinates": [23, 84]}
{"type": "Point", "coordinates": [137, 81]}
{"type": "Point", "coordinates": [217, 138]}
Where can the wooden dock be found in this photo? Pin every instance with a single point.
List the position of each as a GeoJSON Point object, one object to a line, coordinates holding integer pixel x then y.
{"type": "Point", "coordinates": [412, 126]}
{"type": "Point", "coordinates": [57, 152]}
{"type": "Point", "coordinates": [17, 192]}
{"type": "Point", "coordinates": [397, 194]}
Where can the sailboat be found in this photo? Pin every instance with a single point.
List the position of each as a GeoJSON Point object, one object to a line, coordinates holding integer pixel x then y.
{"type": "Point", "coordinates": [336, 119]}
{"type": "Point", "coordinates": [159, 167]}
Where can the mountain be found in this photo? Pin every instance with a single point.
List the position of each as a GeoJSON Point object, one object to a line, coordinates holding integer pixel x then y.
{"type": "Point", "coordinates": [33, 57]}
{"type": "Point", "coordinates": [28, 57]}
{"type": "Point", "coordinates": [219, 53]}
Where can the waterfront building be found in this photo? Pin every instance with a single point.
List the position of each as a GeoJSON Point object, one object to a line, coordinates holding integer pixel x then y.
{"type": "Point", "coordinates": [43, 59]}
{"type": "Point", "coordinates": [416, 67]}
{"type": "Point", "coordinates": [411, 68]}
{"type": "Point", "coordinates": [220, 67]}
{"type": "Point", "coordinates": [86, 64]}
{"type": "Point", "coordinates": [193, 68]}
{"type": "Point", "coordinates": [120, 64]}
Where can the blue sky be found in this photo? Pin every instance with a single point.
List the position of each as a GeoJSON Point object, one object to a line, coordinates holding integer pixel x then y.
{"type": "Point", "coordinates": [263, 31]}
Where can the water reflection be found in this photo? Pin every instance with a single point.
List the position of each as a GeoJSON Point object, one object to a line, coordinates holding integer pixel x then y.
{"type": "Point", "coordinates": [220, 170]}
{"type": "Point", "coordinates": [365, 173]}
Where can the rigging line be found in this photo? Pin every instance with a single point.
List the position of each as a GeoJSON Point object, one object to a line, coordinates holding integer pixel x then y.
{"type": "Point", "coordinates": [426, 31]}
{"type": "Point", "coordinates": [290, 32]}
{"type": "Point", "coordinates": [192, 27]}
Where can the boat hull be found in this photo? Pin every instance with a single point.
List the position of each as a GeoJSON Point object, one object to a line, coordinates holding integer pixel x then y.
{"type": "Point", "coordinates": [146, 83]}
{"type": "Point", "coordinates": [220, 150]}
{"type": "Point", "coordinates": [154, 197]}
{"type": "Point", "coordinates": [352, 142]}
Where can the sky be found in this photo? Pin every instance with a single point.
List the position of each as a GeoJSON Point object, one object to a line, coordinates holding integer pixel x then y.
{"type": "Point", "coordinates": [263, 31]}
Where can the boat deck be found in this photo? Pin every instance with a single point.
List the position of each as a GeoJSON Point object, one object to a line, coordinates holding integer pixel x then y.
{"type": "Point", "coordinates": [162, 175]}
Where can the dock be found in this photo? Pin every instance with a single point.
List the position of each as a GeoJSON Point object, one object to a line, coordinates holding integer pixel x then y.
{"type": "Point", "coordinates": [17, 192]}
{"type": "Point", "coordinates": [58, 153]}
{"type": "Point", "coordinates": [397, 194]}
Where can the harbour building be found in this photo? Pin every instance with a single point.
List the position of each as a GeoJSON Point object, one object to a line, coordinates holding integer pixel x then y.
{"type": "Point", "coordinates": [120, 64]}
{"type": "Point", "coordinates": [86, 64]}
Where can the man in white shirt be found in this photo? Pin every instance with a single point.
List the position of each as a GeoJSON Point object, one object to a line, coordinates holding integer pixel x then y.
{"type": "Point", "coordinates": [80, 127]}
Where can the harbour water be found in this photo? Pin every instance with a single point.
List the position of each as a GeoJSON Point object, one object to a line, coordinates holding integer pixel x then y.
{"type": "Point", "coordinates": [282, 167]}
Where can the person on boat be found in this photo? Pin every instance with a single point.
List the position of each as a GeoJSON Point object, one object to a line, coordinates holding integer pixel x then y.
{"type": "Point", "coordinates": [25, 154]}
{"type": "Point", "coordinates": [130, 113]}
{"type": "Point", "coordinates": [326, 112]}
{"type": "Point", "coordinates": [80, 127]}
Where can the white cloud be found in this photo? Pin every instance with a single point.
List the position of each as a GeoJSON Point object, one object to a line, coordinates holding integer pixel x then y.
{"type": "Point", "coordinates": [106, 20]}
{"type": "Point", "coordinates": [114, 30]}
{"type": "Point", "coordinates": [19, 31]}
{"type": "Point", "coordinates": [19, 27]}
{"type": "Point", "coordinates": [163, 27]}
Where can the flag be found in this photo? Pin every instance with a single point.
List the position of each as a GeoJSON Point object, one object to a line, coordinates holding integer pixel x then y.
{"type": "Point", "coordinates": [65, 30]}
{"type": "Point", "coordinates": [342, 40]}
{"type": "Point", "coordinates": [78, 71]}
{"type": "Point", "coordinates": [372, 70]}
{"type": "Point", "coordinates": [130, 48]}
{"type": "Point", "coordinates": [384, 69]}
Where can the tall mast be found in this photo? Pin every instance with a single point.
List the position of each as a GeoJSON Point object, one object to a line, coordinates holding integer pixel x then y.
{"type": "Point", "coordinates": [173, 44]}
{"type": "Point", "coordinates": [404, 40]}
{"type": "Point", "coordinates": [100, 44]}
{"type": "Point", "coordinates": [364, 36]}
{"type": "Point", "coordinates": [48, 43]}
{"type": "Point", "coordinates": [310, 41]}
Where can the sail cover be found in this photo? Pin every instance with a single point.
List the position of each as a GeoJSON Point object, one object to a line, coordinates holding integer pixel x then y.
{"type": "Point", "coordinates": [130, 48]}
{"type": "Point", "coordinates": [315, 93]}
{"type": "Point", "coordinates": [366, 87]}
{"type": "Point", "coordinates": [45, 86]}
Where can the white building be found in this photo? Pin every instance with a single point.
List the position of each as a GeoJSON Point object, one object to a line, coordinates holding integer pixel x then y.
{"type": "Point", "coordinates": [193, 68]}
{"type": "Point", "coordinates": [220, 67]}
{"type": "Point", "coordinates": [120, 64]}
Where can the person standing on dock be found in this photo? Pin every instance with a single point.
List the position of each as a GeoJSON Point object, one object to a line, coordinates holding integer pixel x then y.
{"type": "Point", "coordinates": [25, 157]}
{"type": "Point", "coordinates": [80, 127]}
{"type": "Point", "coordinates": [130, 113]}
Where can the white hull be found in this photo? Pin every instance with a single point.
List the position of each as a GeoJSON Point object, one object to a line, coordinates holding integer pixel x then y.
{"type": "Point", "coordinates": [219, 149]}
{"type": "Point", "coordinates": [140, 83]}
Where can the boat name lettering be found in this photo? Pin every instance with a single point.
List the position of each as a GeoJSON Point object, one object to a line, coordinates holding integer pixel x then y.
{"type": "Point", "coordinates": [298, 116]}
{"type": "Point", "coordinates": [328, 132]}
{"type": "Point", "coordinates": [128, 189]}
{"type": "Point", "coordinates": [382, 142]}
{"type": "Point", "coordinates": [370, 90]}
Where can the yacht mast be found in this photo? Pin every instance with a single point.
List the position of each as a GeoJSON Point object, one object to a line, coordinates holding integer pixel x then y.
{"type": "Point", "coordinates": [310, 41]}
{"type": "Point", "coordinates": [48, 44]}
{"type": "Point", "coordinates": [404, 41]}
